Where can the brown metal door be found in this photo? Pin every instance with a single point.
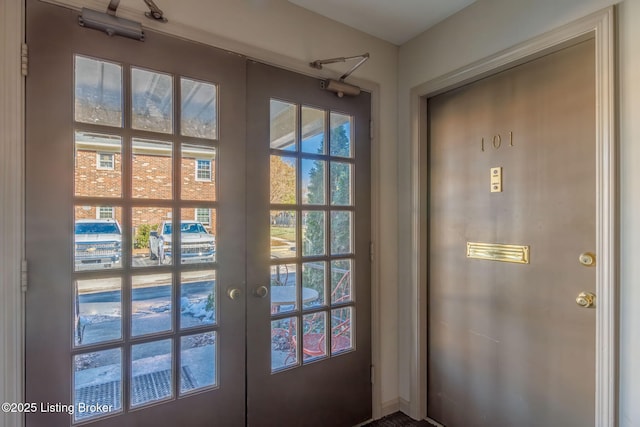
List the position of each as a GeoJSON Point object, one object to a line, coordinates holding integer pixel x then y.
{"type": "Point", "coordinates": [308, 268]}
{"type": "Point", "coordinates": [508, 345]}
{"type": "Point", "coordinates": [128, 323]}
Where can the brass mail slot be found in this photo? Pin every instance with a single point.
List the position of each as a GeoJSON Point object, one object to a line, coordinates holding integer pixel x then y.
{"type": "Point", "coordinates": [498, 252]}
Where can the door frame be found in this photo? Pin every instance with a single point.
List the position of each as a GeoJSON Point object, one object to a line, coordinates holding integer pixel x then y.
{"type": "Point", "coordinates": [13, 271]}
{"type": "Point", "coordinates": [12, 280]}
{"type": "Point", "coordinates": [601, 27]}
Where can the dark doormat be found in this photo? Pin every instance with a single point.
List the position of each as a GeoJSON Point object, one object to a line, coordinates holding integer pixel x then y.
{"type": "Point", "coordinates": [398, 419]}
{"type": "Point", "coordinates": [144, 388]}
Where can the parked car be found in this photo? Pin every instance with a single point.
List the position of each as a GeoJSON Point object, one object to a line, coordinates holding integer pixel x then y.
{"type": "Point", "coordinates": [98, 244]}
{"type": "Point", "coordinates": [196, 243]}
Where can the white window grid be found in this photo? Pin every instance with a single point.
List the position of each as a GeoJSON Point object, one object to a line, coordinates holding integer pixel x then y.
{"type": "Point", "coordinates": [203, 170]}
{"type": "Point", "coordinates": [105, 212]}
{"type": "Point", "coordinates": [105, 161]}
{"type": "Point", "coordinates": [203, 215]}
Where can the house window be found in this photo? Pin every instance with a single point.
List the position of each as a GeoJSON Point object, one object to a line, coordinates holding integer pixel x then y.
{"type": "Point", "coordinates": [106, 161]}
{"type": "Point", "coordinates": [203, 170]}
{"type": "Point", "coordinates": [203, 216]}
{"type": "Point", "coordinates": [105, 212]}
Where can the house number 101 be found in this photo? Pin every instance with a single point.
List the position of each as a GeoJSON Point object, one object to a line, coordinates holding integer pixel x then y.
{"type": "Point", "coordinates": [496, 142]}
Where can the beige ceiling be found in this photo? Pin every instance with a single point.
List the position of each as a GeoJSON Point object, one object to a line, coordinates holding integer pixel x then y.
{"type": "Point", "coordinates": [395, 21]}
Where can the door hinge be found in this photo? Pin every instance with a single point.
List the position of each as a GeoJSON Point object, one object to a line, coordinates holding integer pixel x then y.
{"type": "Point", "coordinates": [23, 276]}
{"type": "Point", "coordinates": [373, 374]}
{"type": "Point", "coordinates": [370, 129]}
{"type": "Point", "coordinates": [24, 60]}
{"type": "Point", "coordinates": [371, 251]}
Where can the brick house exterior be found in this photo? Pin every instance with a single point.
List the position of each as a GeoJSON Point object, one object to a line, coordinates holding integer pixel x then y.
{"type": "Point", "coordinates": [98, 173]}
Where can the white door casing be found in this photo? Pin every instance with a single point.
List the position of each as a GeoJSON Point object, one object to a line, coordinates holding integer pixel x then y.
{"type": "Point", "coordinates": [12, 202]}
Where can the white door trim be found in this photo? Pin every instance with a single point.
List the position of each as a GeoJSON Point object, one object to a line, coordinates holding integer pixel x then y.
{"type": "Point", "coordinates": [11, 208]}
{"type": "Point", "coordinates": [600, 26]}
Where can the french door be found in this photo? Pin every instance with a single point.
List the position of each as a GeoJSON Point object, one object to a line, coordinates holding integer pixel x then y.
{"type": "Point", "coordinates": [307, 226]}
{"type": "Point", "coordinates": [197, 236]}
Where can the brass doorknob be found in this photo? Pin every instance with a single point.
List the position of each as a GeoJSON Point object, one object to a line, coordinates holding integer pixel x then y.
{"type": "Point", "coordinates": [234, 293]}
{"type": "Point", "coordinates": [261, 291]}
{"type": "Point", "coordinates": [587, 259]}
{"type": "Point", "coordinates": [586, 300]}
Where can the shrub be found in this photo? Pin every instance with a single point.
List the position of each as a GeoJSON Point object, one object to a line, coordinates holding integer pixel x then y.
{"type": "Point", "coordinates": [141, 240]}
{"type": "Point", "coordinates": [211, 302]}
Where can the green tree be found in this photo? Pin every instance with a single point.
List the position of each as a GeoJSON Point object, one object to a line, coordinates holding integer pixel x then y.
{"type": "Point", "coordinates": [339, 182]}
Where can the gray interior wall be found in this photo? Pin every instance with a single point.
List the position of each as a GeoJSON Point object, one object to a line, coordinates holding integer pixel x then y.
{"type": "Point", "coordinates": [483, 29]}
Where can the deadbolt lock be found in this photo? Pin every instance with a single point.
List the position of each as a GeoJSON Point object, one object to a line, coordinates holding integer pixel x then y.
{"type": "Point", "coordinates": [586, 300]}
{"type": "Point", "coordinates": [587, 259]}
